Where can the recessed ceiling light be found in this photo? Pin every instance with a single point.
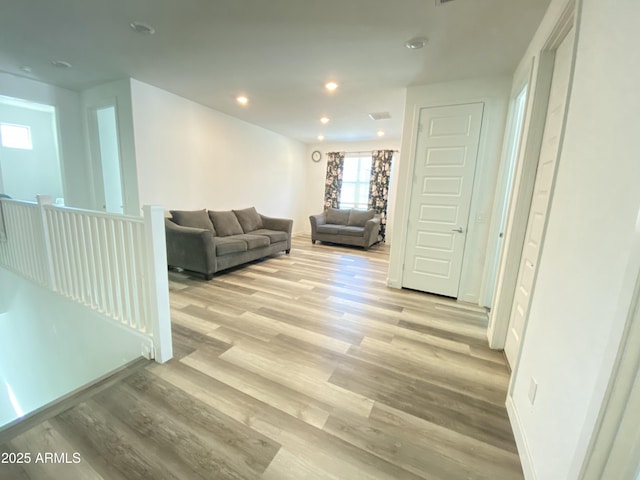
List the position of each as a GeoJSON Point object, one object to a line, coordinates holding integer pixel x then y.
{"type": "Point", "coordinates": [331, 86]}
{"type": "Point", "coordinates": [381, 133]}
{"type": "Point", "coordinates": [60, 64]}
{"type": "Point", "coordinates": [321, 137]}
{"type": "Point", "coordinates": [324, 120]}
{"type": "Point", "coordinates": [416, 43]}
{"type": "Point", "coordinates": [143, 28]}
{"type": "Point", "coordinates": [242, 100]}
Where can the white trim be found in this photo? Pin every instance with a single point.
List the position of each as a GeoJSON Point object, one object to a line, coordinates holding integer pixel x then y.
{"type": "Point", "coordinates": [537, 103]}
{"type": "Point", "coordinates": [504, 189]}
{"type": "Point", "coordinates": [521, 441]}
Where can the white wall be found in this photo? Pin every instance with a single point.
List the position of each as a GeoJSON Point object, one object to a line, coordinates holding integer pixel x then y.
{"type": "Point", "coordinates": [191, 157]}
{"type": "Point", "coordinates": [71, 139]}
{"type": "Point", "coordinates": [494, 92]}
{"type": "Point", "coordinates": [317, 173]}
{"type": "Point", "coordinates": [583, 289]}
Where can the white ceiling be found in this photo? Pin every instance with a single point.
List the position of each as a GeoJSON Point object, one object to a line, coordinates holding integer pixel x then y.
{"type": "Point", "coordinates": [277, 52]}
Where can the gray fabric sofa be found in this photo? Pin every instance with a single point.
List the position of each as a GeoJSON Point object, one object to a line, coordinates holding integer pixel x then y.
{"type": "Point", "coordinates": [210, 241]}
{"type": "Point", "coordinates": [346, 226]}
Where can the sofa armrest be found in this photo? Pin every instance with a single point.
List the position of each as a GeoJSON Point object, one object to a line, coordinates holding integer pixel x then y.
{"type": "Point", "coordinates": [190, 248]}
{"type": "Point", "coordinates": [280, 224]}
{"type": "Point", "coordinates": [316, 220]}
{"type": "Point", "coordinates": [371, 231]}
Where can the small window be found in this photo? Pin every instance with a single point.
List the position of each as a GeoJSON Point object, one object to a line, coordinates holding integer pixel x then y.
{"type": "Point", "coordinates": [16, 136]}
{"type": "Point", "coordinates": [355, 183]}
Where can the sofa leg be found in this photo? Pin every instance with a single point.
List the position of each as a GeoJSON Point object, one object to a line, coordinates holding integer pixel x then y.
{"type": "Point", "coordinates": [313, 242]}
{"type": "Point", "coordinates": [287, 251]}
{"type": "Point", "coordinates": [208, 276]}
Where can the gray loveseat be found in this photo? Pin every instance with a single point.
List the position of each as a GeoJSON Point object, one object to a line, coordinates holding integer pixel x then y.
{"type": "Point", "coordinates": [346, 226]}
{"type": "Point", "coordinates": [209, 241]}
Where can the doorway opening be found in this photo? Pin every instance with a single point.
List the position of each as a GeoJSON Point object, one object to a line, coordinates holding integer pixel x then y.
{"type": "Point", "coordinates": [504, 190]}
{"type": "Point", "coordinates": [105, 151]}
{"type": "Point", "coordinates": [29, 154]}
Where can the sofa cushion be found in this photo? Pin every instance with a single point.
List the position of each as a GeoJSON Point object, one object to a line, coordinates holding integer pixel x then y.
{"type": "Point", "coordinates": [253, 241]}
{"type": "Point", "coordinates": [228, 245]}
{"type": "Point", "coordinates": [352, 231]}
{"type": "Point", "coordinates": [225, 223]}
{"type": "Point", "coordinates": [328, 229]}
{"type": "Point", "coordinates": [193, 219]}
{"type": "Point", "coordinates": [249, 219]}
{"type": "Point", "coordinates": [337, 216]}
{"type": "Point", "coordinates": [358, 218]}
{"type": "Point", "coordinates": [274, 235]}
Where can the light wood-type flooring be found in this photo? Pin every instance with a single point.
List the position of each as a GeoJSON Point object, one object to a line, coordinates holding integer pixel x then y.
{"type": "Point", "coordinates": [300, 366]}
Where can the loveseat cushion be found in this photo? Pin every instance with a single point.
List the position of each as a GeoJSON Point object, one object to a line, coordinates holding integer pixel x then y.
{"type": "Point", "coordinates": [352, 231]}
{"type": "Point", "coordinates": [192, 219]}
{"type": "Point", "coordinates": [358, 218]}
{"type": "Point", "coordinates": [337, 216]}
{"type": "Point", "coordinates": [273, 235]}
{"type": "Point", "coordinates": [253, 241]}
{"type": "Point", "coordinates": [329, 229]}
{"type": "Point", "coordinates": [249, 219]}
{"type": "Point", "coordinates": [225, 223]}
{"type": "Point", "coordinates": [228, 245]}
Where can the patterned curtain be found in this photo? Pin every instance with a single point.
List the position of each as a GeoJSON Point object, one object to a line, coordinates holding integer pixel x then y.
{"type": "Point", "coordinates": [379, 186]}
{"type": "Point", "coordinates": [333, 183]}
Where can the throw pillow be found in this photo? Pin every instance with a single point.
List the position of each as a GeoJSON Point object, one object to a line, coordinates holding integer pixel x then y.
{"type": "Point", "coordinates": [358, 218]}
{"type": "Point", "coordinates": [336, 216]}
{"type": "Point", "coordinates": [192, 218]}
{"type": "Point", "coordinates": [225, 223]}
{"type": "Point", "coordinates": [249, 219]}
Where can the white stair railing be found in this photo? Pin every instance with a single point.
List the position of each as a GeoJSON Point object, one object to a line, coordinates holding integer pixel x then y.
{"type": "Point", "coordinates": [113, 264]}
{"type": "Point", "coordinates": [22, 249]}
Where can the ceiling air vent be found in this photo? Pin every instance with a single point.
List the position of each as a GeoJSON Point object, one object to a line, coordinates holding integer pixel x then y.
{"type": "Point", "coordinates": [442, 2]}
{"type": "Point", "coordinates": [380, 116]}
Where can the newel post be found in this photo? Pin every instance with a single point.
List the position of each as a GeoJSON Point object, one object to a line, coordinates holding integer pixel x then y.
{"type": "Point", "coordinates": [158, 281]}
{"type": "Point", "coordinates": [44, 201]}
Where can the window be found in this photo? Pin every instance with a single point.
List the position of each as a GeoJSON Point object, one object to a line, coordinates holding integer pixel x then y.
{"type": "Point", "coordinates": [16, 136]}
{"type": "Point", "coordinates": [355, 182]}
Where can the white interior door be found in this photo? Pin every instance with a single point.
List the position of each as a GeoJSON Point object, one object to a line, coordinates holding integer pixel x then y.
{"type": "Point", "coordinates": [446, 153]}
{"type": "Point", "coordinates": [541, 194]}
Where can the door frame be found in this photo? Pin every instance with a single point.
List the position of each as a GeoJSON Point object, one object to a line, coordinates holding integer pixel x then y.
{"type": "Point", "coordinates": [524, 182]}
{"type": "Point", "coordinates": [99, 195]}
{"type": "Point", "coordinates": [504, 188]}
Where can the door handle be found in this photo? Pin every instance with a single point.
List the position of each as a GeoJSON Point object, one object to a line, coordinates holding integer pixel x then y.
{"type": "Point", "coordinates": [459, 230]}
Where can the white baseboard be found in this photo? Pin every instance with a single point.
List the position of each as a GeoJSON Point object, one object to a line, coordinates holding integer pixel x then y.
{"type": "Point", "coordinates": [521, 441]}
{"type": "Point", "coordinates": [394, 283]}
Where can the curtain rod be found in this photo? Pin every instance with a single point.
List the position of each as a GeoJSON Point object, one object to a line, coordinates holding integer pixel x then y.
{"type": "Point", "coordinates": [366, 151]}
